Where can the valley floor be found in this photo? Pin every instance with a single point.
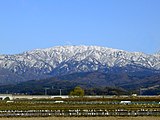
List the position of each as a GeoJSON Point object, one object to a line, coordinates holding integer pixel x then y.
{"type": "Point", "coordinates": [84, 118]}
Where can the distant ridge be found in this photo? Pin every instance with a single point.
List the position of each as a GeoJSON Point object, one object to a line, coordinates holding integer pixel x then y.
{"type": "Point", "coordinates": [62, 60]}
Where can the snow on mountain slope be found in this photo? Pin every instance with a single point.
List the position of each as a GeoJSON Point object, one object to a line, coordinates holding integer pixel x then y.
{"type": "Point", "coordinates": [69, 59]}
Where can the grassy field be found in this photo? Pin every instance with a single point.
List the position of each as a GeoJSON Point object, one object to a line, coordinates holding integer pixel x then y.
{"type": "Point", "coordinates": [84, 118]}
{"type": "Point", "coordinates": [82, 107]}
{"type": "Point", "coordinates": [72, 103]}
{"type": "Point", "coordinates": [62, 106]}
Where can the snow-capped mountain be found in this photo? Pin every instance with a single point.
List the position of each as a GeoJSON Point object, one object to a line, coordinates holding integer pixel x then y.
{"type": "Point", "coordinates": [41, 63]}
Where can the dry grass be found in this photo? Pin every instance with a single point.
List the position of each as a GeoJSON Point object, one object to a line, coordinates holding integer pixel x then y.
{"type": "Point", "coordinates": [84, 118]}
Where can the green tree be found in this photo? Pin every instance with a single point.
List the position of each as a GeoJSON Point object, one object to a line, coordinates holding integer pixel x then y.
{"type": "Point", "coordinates": [78, 91]}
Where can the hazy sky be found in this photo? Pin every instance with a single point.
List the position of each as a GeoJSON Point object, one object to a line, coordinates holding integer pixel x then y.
{"type": "Point", "coordinates": [132, 25]}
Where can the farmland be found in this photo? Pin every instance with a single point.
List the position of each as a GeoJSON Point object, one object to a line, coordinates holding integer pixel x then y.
{"type": "Point", "coordinates": [84, 118]}
{"type": "Point", "coordinates": [81, 107]}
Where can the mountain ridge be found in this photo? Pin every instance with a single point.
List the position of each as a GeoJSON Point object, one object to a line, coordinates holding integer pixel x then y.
{"type": "Point", "coordinates": [60, 60]}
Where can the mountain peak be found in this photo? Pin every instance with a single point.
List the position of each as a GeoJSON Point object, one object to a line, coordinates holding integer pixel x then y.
{"type": "Point", "coordinates": [80, 48]}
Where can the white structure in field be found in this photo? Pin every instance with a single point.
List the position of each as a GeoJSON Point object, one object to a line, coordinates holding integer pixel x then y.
{"type": "Point", "coordinates": [125, 102]}
{"type": "Point", "coordinates": [59, 101]}
{"type": "Point", "coordinates": [13, 97]}
{"type": "Point", "coordinates": [3, 96]}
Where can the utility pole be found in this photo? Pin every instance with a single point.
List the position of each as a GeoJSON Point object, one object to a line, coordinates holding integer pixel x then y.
{"type": "Point", "coordinates": [60, 92]}
{"type": "Point", "coordinates": [141, 90]}
{"type": "Point", "coordinates": [45, 92]}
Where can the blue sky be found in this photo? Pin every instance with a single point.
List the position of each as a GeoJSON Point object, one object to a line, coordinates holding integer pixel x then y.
{"type": "Point", "coordinates": [132, 25]}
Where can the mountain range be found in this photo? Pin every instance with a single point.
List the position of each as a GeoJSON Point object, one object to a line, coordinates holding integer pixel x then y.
{"type": "Point", "coordinates": [68, 60]}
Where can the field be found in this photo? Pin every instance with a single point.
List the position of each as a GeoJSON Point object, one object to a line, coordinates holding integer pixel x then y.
{"type": "Point", "coordinates": [82, 107]}
{"type": "Point", "coordinates": [84, 118]}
